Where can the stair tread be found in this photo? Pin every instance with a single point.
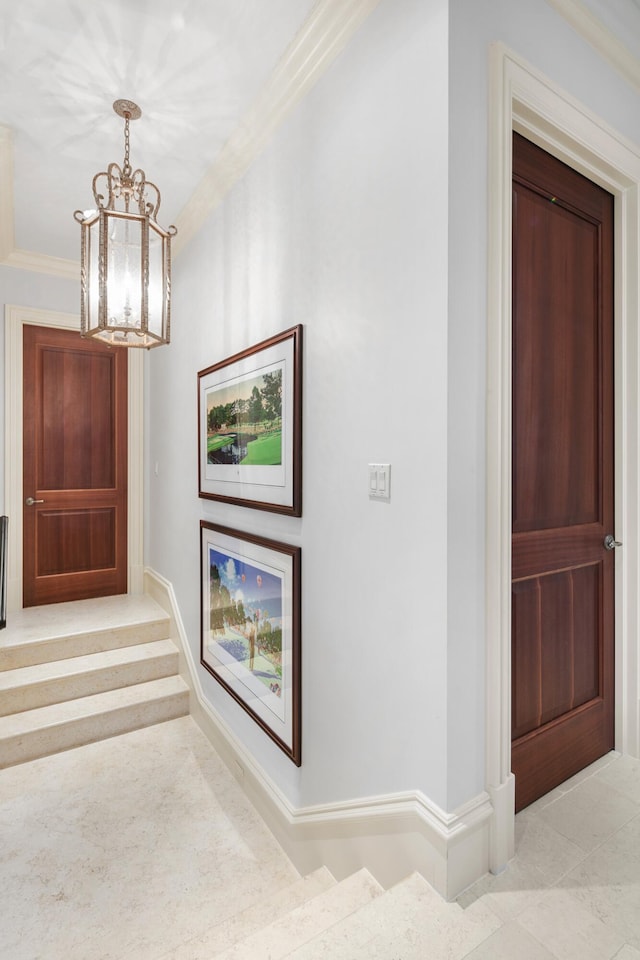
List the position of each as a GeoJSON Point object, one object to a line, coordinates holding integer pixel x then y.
{"type": "Point", "coordinates": [305, 922]}
{"type": "Point", "coordinates": [18, 724]}
{"type": "Point", "coordinates": [79, 617]}
{"type": "Point", "coordinates": [221, 936]}
{"type": "Point", "coordinates": [104, 659]}
{"type": "Point", "coordinates": [410, 920]}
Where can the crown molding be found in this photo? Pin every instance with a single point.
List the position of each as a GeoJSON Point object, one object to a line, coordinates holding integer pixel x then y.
{"type": "Point", "coordinates": [43, 263]}
{"type": "Point", "coordinates": [601, 39]}
{"type": "Point", "coordinates": [325, 33]}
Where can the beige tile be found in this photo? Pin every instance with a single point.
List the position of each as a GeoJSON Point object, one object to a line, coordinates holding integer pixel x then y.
{"type": "Point", "coordinates": [589, 814]}
{"type": "Point", "coordinates": [508, 893]}
{"type": "Point", "coordinates": [615, 905]}
{"type": "Point", "coordinates": [62, 630]}
{"type": "Point", "coordinates": [79, 617]}
{"type": "Point", "coordinates": [510, 942]}
{"type": "Point", "coordinates": [542, 848]}
{"type": "Point", "coordinates": [125, 849]}
{"type": "Point", "coordinates": [628, 953]}
{"type": "Point", "coordinates": [280, 938]}
{"type": "Point", "coordinates": [607, 882]}
{"type": "Point", "coordinates": [241, 925]}
{"type": "Point", "coordinates": [409, 922]}
{"type": "Point", "coordinates": [61, 726]}
{"type": "Point", "coordinates": [28, 688]}
{"type": "Point", "coordinates": [624, 776]}
{"type": "Point", "coordinates": [617, 861]}
{"type": "Point", "coordinates": [568, 930]}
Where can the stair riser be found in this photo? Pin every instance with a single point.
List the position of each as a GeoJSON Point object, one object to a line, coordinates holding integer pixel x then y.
{"type": "Point", "coordinates": [75, 733]}
{"type": "Point", "coordinates": [46, 692]}
{"type": "Point", "coordinates": [63, 648]}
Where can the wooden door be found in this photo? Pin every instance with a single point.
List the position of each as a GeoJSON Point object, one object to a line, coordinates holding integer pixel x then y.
{"type": "Point", "coordinates": [74, 467]}
{"type": "Point", "coordinates": [563, 507]}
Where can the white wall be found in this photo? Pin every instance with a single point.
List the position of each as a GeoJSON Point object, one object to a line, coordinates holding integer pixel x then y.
{"type": "Point", "coordinates": [534, 31]}
{"type": "Point", "coordinates": [26, 289]}
{"type": "Point", "coordinates": [340, 225]}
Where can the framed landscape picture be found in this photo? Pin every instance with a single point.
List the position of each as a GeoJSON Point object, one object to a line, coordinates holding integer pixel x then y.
{"type": "Point", "coordinates": [250, 630]}
{"type": "Point", "coordinates": [250, 426]}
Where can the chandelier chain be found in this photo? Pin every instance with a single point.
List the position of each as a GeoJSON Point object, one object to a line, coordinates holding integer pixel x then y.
{"type": "Point", "coordinates": [127, 165]}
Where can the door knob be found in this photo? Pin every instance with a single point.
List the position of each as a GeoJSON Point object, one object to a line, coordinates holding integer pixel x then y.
{"type": "Point", "coordinates": [30, 501]}
{"type": "Point", "coordinates": [610, 543]}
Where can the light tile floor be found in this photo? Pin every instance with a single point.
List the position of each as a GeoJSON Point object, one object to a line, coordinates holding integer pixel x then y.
{"type": "Point", "coordinates": [573, 890]}
{"type": "Point", "coordinates": [134, 848]}
{"type": "Point", "coordinates": [128, 848]}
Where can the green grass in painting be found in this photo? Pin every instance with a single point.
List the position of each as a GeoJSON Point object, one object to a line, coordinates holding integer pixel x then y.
{"type": "Point", "coordinates": [265, 451]}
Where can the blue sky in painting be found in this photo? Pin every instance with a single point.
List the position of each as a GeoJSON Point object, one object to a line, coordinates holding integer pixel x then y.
{"type": "Point", "coordinates": [256, 587]}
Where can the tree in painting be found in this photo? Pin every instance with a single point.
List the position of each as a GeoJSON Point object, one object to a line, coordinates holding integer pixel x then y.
{"type": "Point", "coordinates": [244, 422]}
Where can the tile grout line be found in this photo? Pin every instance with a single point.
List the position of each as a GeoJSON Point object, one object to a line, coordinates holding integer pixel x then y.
{"type": "Point", "coordinates": [589, 853]}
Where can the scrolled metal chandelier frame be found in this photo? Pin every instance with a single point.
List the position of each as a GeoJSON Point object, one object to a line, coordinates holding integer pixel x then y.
{"type": "Point", "coordinates": [125, 255]}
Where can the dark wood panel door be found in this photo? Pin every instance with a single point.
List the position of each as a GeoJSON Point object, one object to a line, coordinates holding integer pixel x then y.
{"type": "Point", "coordinates": [563, 454]}
{"type": "Point", "coordinates": [74, 467]}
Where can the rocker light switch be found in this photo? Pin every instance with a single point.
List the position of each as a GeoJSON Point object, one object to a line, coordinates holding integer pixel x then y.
{"type": "Point", "coordinates": [379, 481]}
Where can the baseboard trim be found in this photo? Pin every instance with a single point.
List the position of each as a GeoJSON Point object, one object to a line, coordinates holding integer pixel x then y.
{"type": "Point", "coordinates": [392, 835]}
{"type": "Point", "coordinates": [502, 833]}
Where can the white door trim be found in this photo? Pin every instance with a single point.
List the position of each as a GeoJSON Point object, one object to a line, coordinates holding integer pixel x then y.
{"type": "Point", "coordinates": [523, 99]}
{"type": "Point", "coordinates": [15, 318]}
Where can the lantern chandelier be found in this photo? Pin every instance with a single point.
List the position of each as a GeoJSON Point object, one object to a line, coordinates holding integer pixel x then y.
{"type": "Point", "coordinates": [126, 255]}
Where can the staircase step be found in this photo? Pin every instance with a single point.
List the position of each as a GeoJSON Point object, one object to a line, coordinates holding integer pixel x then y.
{"type": "Point", "coordinates": [282, 936]}
{"type": "Point", "coordinates": [410, 921]}
{"type": "Point", "coordinates": [27, 688]}
{"type": "Point", "coordinates": [223, 935]}
{"type": "Point", "coordinates": [45, 730]}
{"type": "Point", "coordinates": [63, 630]}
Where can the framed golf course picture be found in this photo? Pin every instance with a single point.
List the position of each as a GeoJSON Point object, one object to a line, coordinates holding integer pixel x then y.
{"type": "Point", "coordinates": [250, 426]}
{"type": "Point", "coordinates": [251, 627]}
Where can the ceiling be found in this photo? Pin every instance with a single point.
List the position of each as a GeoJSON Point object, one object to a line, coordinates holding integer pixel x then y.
{"type": "Point", "coordinates": [213, 79]}
{"type": "Point", "coordinates": [196, 68]}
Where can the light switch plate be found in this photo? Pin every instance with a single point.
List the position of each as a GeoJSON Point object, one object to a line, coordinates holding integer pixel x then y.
{"type": "Point", "coordinates": [380, 481]}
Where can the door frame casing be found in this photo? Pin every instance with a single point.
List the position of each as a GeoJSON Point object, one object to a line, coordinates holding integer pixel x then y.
{"type": "Point", "coordinates": [15, 318]}
{"type": "Point", "coordinates": [524, 100]}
